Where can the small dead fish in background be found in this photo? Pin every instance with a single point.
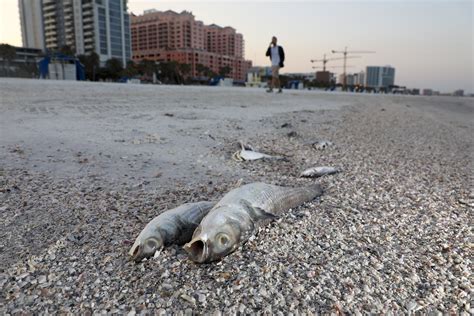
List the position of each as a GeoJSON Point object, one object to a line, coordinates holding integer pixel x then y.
{"type": "Point", "coordinates": [246, 153]}
{"type": "Point", "coordinates": [234, 219]}
{"type": "Point", "coordinates": [175, 226]}
{"type": "Point", "coordinates": [320, 144]}
{"type": "Point", "coordinates": [318, 172]}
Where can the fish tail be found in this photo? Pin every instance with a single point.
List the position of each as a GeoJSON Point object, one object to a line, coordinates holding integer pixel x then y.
{"type": "Point", "coordinates": [306, 194]}
{"type": "Point", "coordinates": [314, 190]}
{"type": "Point", "coordinates": [294, 197]}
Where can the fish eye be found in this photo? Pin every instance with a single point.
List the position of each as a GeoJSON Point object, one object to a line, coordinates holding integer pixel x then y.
{"type": "Point", "coordinates": [151, 243]}
{"type": "Point", "coordinates": [223, 239]}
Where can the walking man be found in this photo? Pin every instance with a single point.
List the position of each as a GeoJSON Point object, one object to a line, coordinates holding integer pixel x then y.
{"type": "Point", "coordinates": [277, 57]}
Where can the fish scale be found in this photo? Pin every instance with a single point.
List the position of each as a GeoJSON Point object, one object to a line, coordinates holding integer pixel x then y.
{"type": "Point", "coordinates": [196, 214]}
{"type": "Point", "coordinates": [271, 198]}
{"type": "Point", "coordinates": [179, 219]}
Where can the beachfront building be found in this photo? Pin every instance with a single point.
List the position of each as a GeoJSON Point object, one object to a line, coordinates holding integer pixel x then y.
{"type": "Point", "coordinates": [379, 77]}
{"type": "Point", "coordinates": [258, 77]}
{"type": "Point", "coordinates": [224, 41]}
{"type": "Point", "coordinates": [31, 20]}
{"type": "Point", "coordinates": [172, 36]}
{"type": "Point", "coordinates": [23, 64]}
{"type": "Point", "coordinates": [340, 79]}
{"type": "Point", "coordinates": [427, 92]}
{"type": "Point", "coordinates": [85, 26]}
{"type": "Point", "coordinates": [324, 77]}
{"type": "Point", "coordinates": [458, 93]}
{"type": "Point", "coordinates": [350, 79]}
{"type": "Point", "coordinates": [353, 79]}
{"type": "Point", "coordinates": [359, 79]}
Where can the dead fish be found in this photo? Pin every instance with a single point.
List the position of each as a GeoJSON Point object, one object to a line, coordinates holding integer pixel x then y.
{"type": "Point", "coordinates": [235, 217]}
{"type": "Point", "coordinates": [246, 153]}
{"type": "Point", "coordinates": [175, 226]}
{"type": "Point", "coordinates": [320, 144]}
{"type": "Point", "coordinates": [318, 172]}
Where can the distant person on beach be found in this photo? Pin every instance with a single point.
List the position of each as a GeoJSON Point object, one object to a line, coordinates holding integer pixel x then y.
{"type": "Point", "coordinates": [277, 57]}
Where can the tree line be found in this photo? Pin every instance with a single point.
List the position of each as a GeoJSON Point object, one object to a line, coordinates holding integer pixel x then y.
{"type": "Point", "coordinates": [170, 72]}
{"type": "Point", "coordinates": [10, 69]}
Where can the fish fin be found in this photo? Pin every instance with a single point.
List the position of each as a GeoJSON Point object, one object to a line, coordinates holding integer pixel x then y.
{"type": "Point", "coordinates": [256, 213]}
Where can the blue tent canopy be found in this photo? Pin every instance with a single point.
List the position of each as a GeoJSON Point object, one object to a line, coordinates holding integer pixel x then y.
{"type": "Point", "coordinates": [44, 65]}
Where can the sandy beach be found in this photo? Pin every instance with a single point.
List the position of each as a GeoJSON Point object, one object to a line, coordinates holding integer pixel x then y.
{"type": "Point", "coordinates": [84, 166]}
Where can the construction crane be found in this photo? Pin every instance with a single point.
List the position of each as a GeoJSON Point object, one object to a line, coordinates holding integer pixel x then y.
{"type": "Point", "coordinates": [325, 60]}
{"type": "Point", "coordinates": [345, 52]}
{"type": "Point", "coordinates": [332, 67]}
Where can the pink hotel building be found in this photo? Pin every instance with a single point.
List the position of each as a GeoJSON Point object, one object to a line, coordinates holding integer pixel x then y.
{"type": "Point", "coordinates": [171, 36]}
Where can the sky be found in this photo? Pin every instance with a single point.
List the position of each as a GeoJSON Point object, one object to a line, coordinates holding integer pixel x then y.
{"type": "Point", "coordinates": [428, 42]}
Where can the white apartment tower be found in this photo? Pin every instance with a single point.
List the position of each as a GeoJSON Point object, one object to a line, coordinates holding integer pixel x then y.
{"type": "Point", "coordinates": [380, 77]}
{"type": "Point", "coordinates": [86, 26]}
{"type": "Point", "coordinates": [31, 20]}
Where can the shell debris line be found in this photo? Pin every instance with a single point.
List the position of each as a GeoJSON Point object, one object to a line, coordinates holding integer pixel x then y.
{"type": "Point", "coordinates": [391, 233]}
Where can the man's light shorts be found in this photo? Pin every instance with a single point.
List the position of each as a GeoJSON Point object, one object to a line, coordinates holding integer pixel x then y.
{"type": "Point", "coordinates": [275, 71]}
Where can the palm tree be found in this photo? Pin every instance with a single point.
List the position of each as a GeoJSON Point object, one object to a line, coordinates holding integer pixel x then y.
{"type": "Point", "coordinates": [224, 71]}
{"type": "Point", "coordinates": [91, 64]}
{"type": "Point", "coordinates": [200, 68]}
{"type": "Point", "coordinates": [66, 50]}
{"type": "Point", "coordinates": [184, 69]}
{"type": "Point", "coordinates": [113, 68]}
{"type": "Point", "coordinates": [131, 70]}
{"type": "Point", "coordinates": [7, 53]}
{"type": "Point", "coordinates": [147, 67]}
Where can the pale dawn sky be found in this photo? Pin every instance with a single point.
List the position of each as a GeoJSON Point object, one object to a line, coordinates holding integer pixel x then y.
{"type": "Point", "coordinates": [430, 43]}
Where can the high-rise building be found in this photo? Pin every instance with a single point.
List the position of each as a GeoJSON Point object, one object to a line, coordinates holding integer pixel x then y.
{"type": "Point", "coordinates": [31, 20]}
{"type": "Point", "coordinates": [340, 79]}
{"type": "Point", "coordinates": [323, 77]}
{"type": "Point", "coordinates": [458, 93]}
{"type": "Point", "coordinates": [224, 41]}
{"type": "Point", "coordinates": [427, 92]}
{"type": "Point", "coordinates": [172, 36]}
{"type": "Point", "coordinates": [380, 77]}
{"type": "Point", "coordinates": [353, 79]}
{"type": "Point", "coordinates": [85, 26]}
{"type": "Point", "coordinates": [112, 25]}
{"type": "Point", "coordinates": [350, 79]}
{"type": "Point", "coordinates": [155, 30]}
{"type": "Point", "coordinates": [359, 78]}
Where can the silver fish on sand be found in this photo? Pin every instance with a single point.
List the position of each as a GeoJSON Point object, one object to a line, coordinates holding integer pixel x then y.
{"type": "Point", "coordinates": [175, 226]}
{"type": "Point", "coordinates": [236, 216]}
{"type": "Point", "coordinates": [318, 172]}
{"type": "Point", "coordinates": [246, 153]}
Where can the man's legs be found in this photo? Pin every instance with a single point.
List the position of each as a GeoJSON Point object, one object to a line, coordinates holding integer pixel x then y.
{"type": "Point", "coordinates": [275, 79]}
